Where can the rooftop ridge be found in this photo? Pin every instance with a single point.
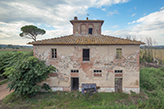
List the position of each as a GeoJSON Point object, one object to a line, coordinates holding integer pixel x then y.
{"type": "Point", "coordinates": [83, 40]}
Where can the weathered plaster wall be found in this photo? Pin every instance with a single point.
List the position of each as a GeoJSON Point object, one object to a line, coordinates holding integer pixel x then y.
{"type": "Point", "coordinates": [102, 57]}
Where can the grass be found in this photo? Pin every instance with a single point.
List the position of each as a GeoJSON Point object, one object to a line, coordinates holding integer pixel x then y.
{"type": "Point", "coordinates": [71, 100]}
{"type": "Point", "coordinates": [4, 81]}
{"type": "Point", "coordinates": [151, 97]}
{"type": "Point", "coordinates": [25, 50]}
{"type": "Point", "coordinates": [159, 54]}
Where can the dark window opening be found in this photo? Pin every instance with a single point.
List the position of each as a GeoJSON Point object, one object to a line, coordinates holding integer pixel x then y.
{"type": "Point", "coordinates": [97, 71]}
{"type": "Point", "coordinates": [54, 53]}
{"type": "Point", "coordinates": [85, 54]}
{"type": "Point", "coordinates": [118, 71]}
{"type": "Point", "coordinates": [74, 84]}
{"type": "Point", "coordinates": [118, 53]}
{"type": "Point", "coordinates": [90, 30]}
{"type": "Point", "coordinates": [74, 71]}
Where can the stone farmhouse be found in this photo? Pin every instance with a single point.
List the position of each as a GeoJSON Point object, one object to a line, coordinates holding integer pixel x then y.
{"type": "Point", "coordinates": [87, 56]}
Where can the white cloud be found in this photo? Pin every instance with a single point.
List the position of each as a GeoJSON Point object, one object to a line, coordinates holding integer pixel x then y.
{"type": "Point", "coordinates": [111, 13]}
{"type": "Point", "coordinates": [132, 22]}
{"type": "Point", "coordinates": [115, 26]}
{"type": "Point", "coordinates": [151, 25]}
{"type": "Point", "coordinates": [133, 15]}
{"type": "Point", "coordinates": [11, 29]}
{"type": "Point", "coordinates": [55, 13]}
{"type": "Point", "coordinates": [103, 9]}
{"type": "Point", "coordinates": [162, 8]}
{"type": "Point", "coordinates": [100, 3]}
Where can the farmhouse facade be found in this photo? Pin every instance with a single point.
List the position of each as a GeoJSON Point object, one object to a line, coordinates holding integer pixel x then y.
{"type": "Point", "coordinates": [87, 56]}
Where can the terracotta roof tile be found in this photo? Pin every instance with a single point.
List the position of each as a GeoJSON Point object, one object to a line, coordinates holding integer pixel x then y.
{"type": "Point", "coordinates": [86, 40]}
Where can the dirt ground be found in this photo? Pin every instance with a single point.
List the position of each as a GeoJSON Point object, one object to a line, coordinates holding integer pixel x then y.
{"type": "Point", "coordinates": [4, 91]}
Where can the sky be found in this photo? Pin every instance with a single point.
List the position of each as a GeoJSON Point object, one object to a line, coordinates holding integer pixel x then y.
{"type": "Point", "coordinates": [139, 19]}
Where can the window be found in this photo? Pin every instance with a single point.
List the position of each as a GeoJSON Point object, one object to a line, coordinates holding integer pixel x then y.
{"type": "Point", "coordinates": [118, 71]}
{"type": "Point", "coordinates": [118, 53]}
{"type": "Point", "coordinates": [85, 54]}
{"type": "Point", "coordinates": [83, 29]}
{"type": "Point", "coordinates": [90, 30]}
{"type": "Point", "coordinates": [97, 73]}
{"type": "Point", "coordinates": [74, 71]}
{"type": "Point", "coordinates": [54, 53]}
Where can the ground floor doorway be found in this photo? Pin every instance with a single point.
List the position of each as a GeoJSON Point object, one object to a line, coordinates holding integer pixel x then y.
{"type": "Point", "coordinates": [118, 84]}
{"type": "Point", "coordinates": [74, 84]}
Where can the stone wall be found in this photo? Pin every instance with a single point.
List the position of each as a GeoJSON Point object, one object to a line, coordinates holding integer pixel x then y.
{"type": "Point", "coordinates": [102, 57]}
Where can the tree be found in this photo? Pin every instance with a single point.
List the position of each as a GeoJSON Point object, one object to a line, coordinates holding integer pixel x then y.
{"type": "Point", "coordinates": [9, 46]}
{"type": "Point", "coordinates": [24, 72]}
{"type": "Point", "coordinates": [31, 32]}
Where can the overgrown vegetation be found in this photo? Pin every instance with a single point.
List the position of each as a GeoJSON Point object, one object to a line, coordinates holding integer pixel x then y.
{"type": "Point", "coordinates": [8, 59]}
{"type": "Point", "coordinates": [150, 52]}
{"type": "Point", "coordinates": [24, 71]}
{"type": "Point", "coordinates": [152, 81]}
{"type": "Point", "coordinates": [146, 56]}
{"type": "Point", "coordinates": [151, 97]}
{"type": "Point", "coordinates": [4, 81]}
{"type": "Point", "coordinates": [5, 62]}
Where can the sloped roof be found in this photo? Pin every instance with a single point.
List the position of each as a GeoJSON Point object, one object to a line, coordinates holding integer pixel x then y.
{"type": "Point", "coordinates": [86, 40]}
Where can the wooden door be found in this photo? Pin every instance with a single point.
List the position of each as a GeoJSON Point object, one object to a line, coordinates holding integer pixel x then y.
{"type": "Point", "coordinates": [74, 84]}
{"type": "Point", "coordinates": [118, 84]}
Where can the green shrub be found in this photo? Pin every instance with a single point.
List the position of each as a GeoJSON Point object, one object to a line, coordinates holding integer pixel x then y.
{"type": "Point", "coordinates": [46, 87]}
{"type": "Point", "coordinates": [4, 61]}
{"type": "Point", "coordinates": [24, 74]}
{"type": "Point", "coordinates": [151, 78]}
{"type": "Point", "coordinates": [4, 81]}
{"type": "Point", "coordinates": [9, 58]}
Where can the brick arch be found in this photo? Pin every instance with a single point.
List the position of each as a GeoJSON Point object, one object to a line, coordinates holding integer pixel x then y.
{"type": "Point", "coordinates": [83, 28]}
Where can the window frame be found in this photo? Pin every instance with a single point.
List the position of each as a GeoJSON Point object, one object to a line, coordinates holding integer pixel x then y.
{"type": "Point", "coordinates": [53, 53]}
{"type": "Point", "coordinates": [118, 71]}
{"type": "Point", "coordinates": [74, 71]}
{"type": "Point", "coordinates": [118, 53]}
{"type": "Point", "coordinates": [97, 73]}
{"type": "Point", "coordinates": [90, 31]}
{"type": "Point", "coordinates": [86, 58]}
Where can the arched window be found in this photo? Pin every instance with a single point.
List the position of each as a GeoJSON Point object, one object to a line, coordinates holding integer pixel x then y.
{"type": "Point", "coordinates": [83, 29]}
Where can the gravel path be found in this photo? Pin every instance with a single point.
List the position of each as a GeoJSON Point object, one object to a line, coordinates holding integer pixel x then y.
{"type": "Point", "coordinates": [4, 91]}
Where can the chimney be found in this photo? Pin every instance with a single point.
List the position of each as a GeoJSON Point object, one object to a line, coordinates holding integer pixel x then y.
{"type": "Point", "coordinates": [75, 18]}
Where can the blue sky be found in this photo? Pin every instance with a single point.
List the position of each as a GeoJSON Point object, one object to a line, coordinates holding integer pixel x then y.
{"type": "Point", "coordinates": [139, 19]}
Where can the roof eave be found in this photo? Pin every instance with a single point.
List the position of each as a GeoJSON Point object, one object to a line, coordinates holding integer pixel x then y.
{"type": "Point", "coordinates": [86, 44]}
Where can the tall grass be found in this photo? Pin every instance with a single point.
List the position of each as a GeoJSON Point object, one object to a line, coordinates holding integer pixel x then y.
{"type": "Point", "coordinates": [152, 80]}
